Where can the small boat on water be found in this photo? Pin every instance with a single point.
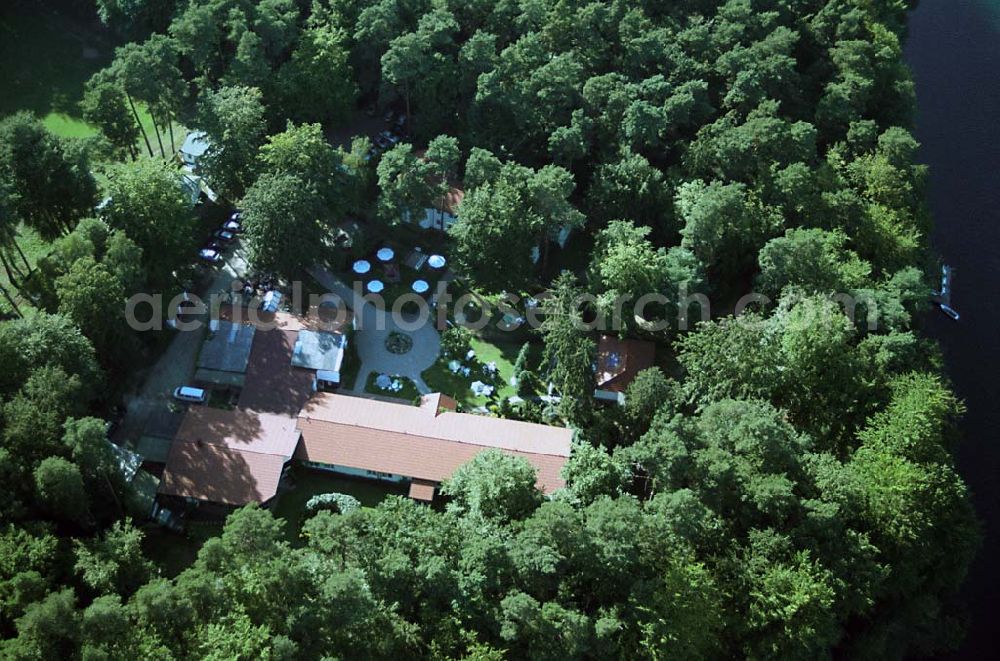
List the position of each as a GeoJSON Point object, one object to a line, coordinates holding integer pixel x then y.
{"type": "Point", "coordinates": [951, 312]}
{"type": "Point", "coordinates": [943, 296]}
{"type": "Point", "coordinates": [946, 273]}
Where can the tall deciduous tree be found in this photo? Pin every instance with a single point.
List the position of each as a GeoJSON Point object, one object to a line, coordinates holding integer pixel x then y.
{"type": "Point", "coordinates": [41, 340]}
{"type": "Point", "coordinates": [630, 188]}
{"type": "Point", "coordinates": [494, 486]}
{"type": "Point", "coordinates": [53, 184]}
{"type": "Point", "coordinates": [724, 225]}
{"type": "Point", "coordinates": [49, 629]}
{"type": "Point", "coordinates": [234, 118]}
{"type": "Point", "coordinates": [284, 223]}
{"type": "Point", "coordinates": [626, 267]}
{"type": "Point", "coordinates": [569, 351]}
{"type": "Point", "coordinates": [94, 299]}
{"type": "Point", "coordinates": [303, 152]}
{"type": "Point", "coordinates": [115, 563]}
{"type": "Point", "coordinates": [149, 204]}
{"type": "Point", "coordinates": [510, 208]}
{"type": "Point", "coordinates": [494, 237]}
{"type": "Point", "coordinates": [8, 243]}
{"type": "Point", "coordinates": [813, 259]}
{"type": "Point", "coordinates": [104, 105]}
{"type": "Point", "coordinates": [137, 67]}
{"type": "Point", "coordinates": [406, 184]}
{"type": "Point", "coordinates": [59, 486]}
{"type": "Point", "coordinates": [317, 83]}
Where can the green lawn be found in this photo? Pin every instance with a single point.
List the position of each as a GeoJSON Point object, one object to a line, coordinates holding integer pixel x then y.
{"type": "Point", "coordinates": [34, 248]}
{"type": "Point", "coordinates": [45, 59]}
{"type": "Point", "coordinates": [351, 366]}
{"type": "Point", "coordinates": [409, 391]}
{"type": "Point", "coordinates": [68, 127]}
{"type": "Point", "coordinates": [173, 553]}
{"type": "Point", "coordinates": [291, 505]}
{"type": "Point", "coordinates": [441, 379]}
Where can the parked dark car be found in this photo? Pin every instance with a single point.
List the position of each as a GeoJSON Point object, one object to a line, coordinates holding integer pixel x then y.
{"type": "Point", "coordinates": [223, 235]}
{"type": "Point", "coordinates": [389, 137]}
{"type": "Point", "coordinates": [210, 255]}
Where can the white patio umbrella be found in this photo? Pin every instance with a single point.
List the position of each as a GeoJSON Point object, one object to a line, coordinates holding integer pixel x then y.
{"type": "Point", "coordinates": [362, 266]}
{"type": "Point", "coordinates": [436, 261]}
{"type": "Point", "coordinates": [375, 286]}
{"type": "Point", "coordinates": [420, 286]}
{"type": "Point", "coordinates": [385, 254]}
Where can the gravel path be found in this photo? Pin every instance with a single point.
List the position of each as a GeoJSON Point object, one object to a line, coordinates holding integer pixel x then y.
{"type": "Point", "coordinates": [372, 329]}
{"type": "Point", "coordinates": [176, 366]}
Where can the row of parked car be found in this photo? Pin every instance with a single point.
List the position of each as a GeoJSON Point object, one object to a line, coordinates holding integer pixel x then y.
{"type": "Point", "coordinates": [222, 237]}
{"type": "Point", "coordinates": [390, 137]}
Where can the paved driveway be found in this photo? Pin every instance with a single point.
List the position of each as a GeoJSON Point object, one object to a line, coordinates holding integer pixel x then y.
{"type": "Point", "coordinates": [373, 329]}
{"type": "Point", "coordinates": [176, 366]}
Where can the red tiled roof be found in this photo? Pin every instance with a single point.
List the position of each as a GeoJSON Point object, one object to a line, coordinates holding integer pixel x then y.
{"type": "Point", "coordinates": [218, 474]}
{"type": "Point", "coordinates": [240, 429]}
{"type": "Point", "coordinates": [450, 200]}
{"type": "Point", "coordinates": [319, 318]}
{"type": "Point", "coordinates": [422, 490]}
{"type": "Point", "coordinates": [229, 457]}
{"type": "Point", "coordinates": [439, 402]}
{"type": "Point", "coordinates": [272, 384]}
{"type": "Point", "coordinates": [618, 361]}
{"type": "Point", "coordinates": [453, 196]}
{"type": "Point", "coordinates": [421, 442]}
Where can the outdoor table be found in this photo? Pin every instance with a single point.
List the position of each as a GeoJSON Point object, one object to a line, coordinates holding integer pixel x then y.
{"type": "Point", "coordinates": [385, 254]}
{"type": "Point", "coordinates": [420, 286]}
{"type": "Point", "coordinates": [436, 261]}
{"type": "Point", "coordinates": [375, 286]}
{"type": "Point", "coordinates": [481, 389]}
{"type": "Point", "coordinates": [362, 266]}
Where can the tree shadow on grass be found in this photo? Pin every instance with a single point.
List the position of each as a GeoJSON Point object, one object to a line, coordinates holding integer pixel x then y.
{"type": "Point", "coordinates": [45, 59]}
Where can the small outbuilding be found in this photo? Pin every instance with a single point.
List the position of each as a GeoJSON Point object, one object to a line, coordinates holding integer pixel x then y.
{"type": "Point", "coordinates": [225, 354]}
{"type": "Point", "coordinates": [195, 145]}
{"type": "Point", "coordinates": [229, 458]}
{"type": "Point", "coordinates": [618, 363]}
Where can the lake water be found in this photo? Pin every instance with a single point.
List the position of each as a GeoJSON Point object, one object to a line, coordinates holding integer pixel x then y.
{"type": "Point", "coordinates": [954, 52]}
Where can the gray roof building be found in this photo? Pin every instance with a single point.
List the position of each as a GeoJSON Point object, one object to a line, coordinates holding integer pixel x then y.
{"type": "Point", "coordinates": [225, 354]}
{"type": "Point", "coordinates": [319, 351]}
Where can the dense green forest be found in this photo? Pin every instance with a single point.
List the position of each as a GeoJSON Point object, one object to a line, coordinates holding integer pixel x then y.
{"type": "Point", "coordinates": [784, 488]}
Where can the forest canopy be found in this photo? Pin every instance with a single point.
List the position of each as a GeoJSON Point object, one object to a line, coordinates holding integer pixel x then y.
{"type": "Point", "coordinates": [783, 488]}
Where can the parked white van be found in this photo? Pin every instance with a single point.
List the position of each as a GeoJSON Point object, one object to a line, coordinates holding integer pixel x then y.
{"type": "Point", "coordinates": [189, 394]}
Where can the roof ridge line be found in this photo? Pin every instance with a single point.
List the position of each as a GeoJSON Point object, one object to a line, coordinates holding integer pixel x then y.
{"type": "Point", "coordinates": [227, 447]}
{"type": "Point", "coordinates": [445, 440]}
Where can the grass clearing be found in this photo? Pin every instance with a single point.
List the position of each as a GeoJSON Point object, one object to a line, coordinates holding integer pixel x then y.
{"type": "Point", "coordinates": [291, 505]}
{"type": "Point", "coordinates": [351, 365]}
{"type": "Point", "coordinates": [172, 552]}
{"type": "Point", "coordinates": [34, 248]}
{"type": "Point", "coordinates": [408, 393]}
{"type": "Point", "coordinates": [45, 59]}
{"type": "Point", "coordinates": [66, 126]}
{"type": "Point", "coordinates": [443, 380]}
